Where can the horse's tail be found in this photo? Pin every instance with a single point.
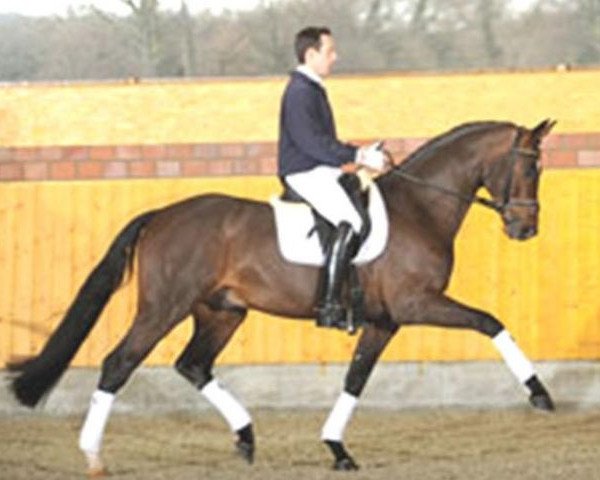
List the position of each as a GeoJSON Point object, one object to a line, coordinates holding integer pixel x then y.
{"type": "Point", "coordinates": [36, 376]}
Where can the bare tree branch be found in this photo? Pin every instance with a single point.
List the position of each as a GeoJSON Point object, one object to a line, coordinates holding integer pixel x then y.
{"type": "Point", "coordinates": [131, 4]}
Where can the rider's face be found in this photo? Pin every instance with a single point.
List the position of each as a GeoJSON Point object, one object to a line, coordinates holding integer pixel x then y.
{"type": "Point", "coordinates": [323, 59]}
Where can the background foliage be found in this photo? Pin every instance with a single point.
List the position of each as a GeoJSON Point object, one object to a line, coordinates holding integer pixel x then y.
{"type": "Point", "coordinates": [372, 35]}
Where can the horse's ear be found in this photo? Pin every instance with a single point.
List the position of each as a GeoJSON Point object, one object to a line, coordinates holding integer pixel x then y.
{"type": "Point", "coordinates": [542, 129]}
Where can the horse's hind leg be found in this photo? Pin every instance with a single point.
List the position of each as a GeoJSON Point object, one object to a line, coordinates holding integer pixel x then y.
{"type": "Point", "coordinates": [213, 329]}
{"type": "Point", "coordinates": [442, 311]}
{"type": "Point", "coordinates": [148, 328]}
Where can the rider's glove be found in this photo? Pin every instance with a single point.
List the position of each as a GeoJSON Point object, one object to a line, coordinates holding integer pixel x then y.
{"type": "Point", "coordinates": [372, 156]}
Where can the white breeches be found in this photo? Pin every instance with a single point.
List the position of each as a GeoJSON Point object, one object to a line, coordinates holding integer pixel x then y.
{"type": "Point", "coordinates": [320, 188]}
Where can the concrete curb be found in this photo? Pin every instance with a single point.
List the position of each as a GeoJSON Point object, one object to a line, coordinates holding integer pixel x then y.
{"type": "Point", "coordinates": [392, 386]}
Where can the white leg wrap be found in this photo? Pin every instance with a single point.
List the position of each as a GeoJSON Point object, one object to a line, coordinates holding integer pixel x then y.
{"type": "Point", "coordinates": [90, 438]}
{"type": "Point", "coordinates": [234, 413]}
{"type": "Point", "coordinates": [517, 362]}
{"type": "Point", "coordinates": [339, 417]}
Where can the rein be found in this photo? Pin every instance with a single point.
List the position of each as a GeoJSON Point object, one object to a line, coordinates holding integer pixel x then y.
{"type": "Point", "coordinates": [515, 153]}
{"type": "Point", "coordinates": [486, 202]}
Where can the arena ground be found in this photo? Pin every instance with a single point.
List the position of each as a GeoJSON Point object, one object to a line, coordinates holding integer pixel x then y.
{"type": "Point", "coordinates": [440, 444]}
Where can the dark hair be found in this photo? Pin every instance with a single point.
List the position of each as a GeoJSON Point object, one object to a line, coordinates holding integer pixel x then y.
{"type": "Point", "coordinates": [309, 37]}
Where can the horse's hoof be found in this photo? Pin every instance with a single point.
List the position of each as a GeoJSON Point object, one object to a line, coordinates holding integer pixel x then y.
{"type": "Point", "coordinates": [343, 461]}
{"type": "Point", "coordinates": [95, 466]}
{"type": "Point", "coordinates": [345, 465]}
{"type": "Point", "coordinates": [246, 451]}
{"type": "Point", "coordinates": [97, 472]}
{"type": "Point", "coordinates": [542, 401]}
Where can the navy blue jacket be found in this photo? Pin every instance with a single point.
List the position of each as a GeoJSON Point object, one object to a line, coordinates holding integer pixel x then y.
{"type": "Point", "coordinates": [307, 135]}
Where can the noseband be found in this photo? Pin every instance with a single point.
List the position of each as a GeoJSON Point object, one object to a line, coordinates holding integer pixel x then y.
{"type": "Point", "coordinates": [515, 153]}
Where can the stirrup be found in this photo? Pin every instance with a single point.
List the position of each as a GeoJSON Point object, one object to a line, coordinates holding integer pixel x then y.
{"type": "Point", "coordinates": [332, 316]}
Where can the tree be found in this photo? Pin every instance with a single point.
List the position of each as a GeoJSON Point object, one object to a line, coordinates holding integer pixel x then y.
{"type": "Point", "coordinates": [189, 52]}
{"type": "Point", "coordinates": [588, 13]}
{"type": "Point", "coordinates": [19, 56]}
{"type": "Point", "coordinates": [490, 10]}
{"type": "Point", "coordinates": [145, 19]}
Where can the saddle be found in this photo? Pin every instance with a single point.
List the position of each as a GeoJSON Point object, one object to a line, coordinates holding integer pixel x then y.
{"type": "Point", "coordinates": [323, 227]}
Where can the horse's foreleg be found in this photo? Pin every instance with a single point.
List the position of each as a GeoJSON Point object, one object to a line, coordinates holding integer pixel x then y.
{"type": "Point", "coordinates": [116, 369]}
{"type": "Point", "coordinates": [372, 341]}
{"type": "Point", "coordinates": [213, 329]}
{"type": "Point", "coordinates": [444, 312]}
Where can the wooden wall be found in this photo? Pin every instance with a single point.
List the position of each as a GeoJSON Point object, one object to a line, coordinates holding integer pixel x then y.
{"type": "Point", "coordinates": [545, 289]}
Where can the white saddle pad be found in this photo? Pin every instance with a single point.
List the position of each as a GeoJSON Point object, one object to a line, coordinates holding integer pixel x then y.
{"type": "Point", "coordinates": [294, 222]}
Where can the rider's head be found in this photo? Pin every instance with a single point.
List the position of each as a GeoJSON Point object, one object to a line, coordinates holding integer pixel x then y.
{"type": "Point", "coordinates": [315, 48]}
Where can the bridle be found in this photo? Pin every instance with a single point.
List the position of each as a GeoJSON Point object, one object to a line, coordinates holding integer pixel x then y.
{"type": "Point", "coordinates": [515, 153]}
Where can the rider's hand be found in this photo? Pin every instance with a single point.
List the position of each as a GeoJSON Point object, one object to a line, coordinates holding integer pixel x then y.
{"type": "Point", "coordinates": [350, 167]}
{"type": "Point", "coordinates": [372, 156]}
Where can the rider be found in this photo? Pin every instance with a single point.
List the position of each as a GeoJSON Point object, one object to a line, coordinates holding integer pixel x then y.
{"type": "Point", "coordinates": [311, 159]}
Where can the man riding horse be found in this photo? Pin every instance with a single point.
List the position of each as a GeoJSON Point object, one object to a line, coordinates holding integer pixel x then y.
{"type": "Point", "coordinates": [311, 160]}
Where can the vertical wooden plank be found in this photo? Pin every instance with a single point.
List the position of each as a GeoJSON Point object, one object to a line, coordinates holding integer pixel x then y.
{"type": "Point", "coordinates": [23, 258]}
{"type": "Point", "coordinates": [529, 276]}
{"type": "Point", "coordinates": [115, 321]}
{"type": "Point", "coordinates": [586, 330]}
{"type": "Point", "coordinates": [591, 284]}
{"type": "Point", "coordinates": [557, 250]}
{"type": "Point", "coordinates": [63, 286]}
{"type": "Point", "coordinates": [50, 227]}
{"type": "Point", "coordinates": [8, 202]}
{"type": "Point", "coordinates": [291, 343]}
{"type": "Point", "coordinates": [117, 316]}
{"type": "Point", "coordinates": [592, 341]}
{"type": "Point", "coordinates": [80, 244]}
{"type": "Point", "coordinates": [42, 318]}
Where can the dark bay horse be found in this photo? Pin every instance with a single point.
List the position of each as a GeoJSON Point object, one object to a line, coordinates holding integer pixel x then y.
{"type": "Point", "coordinates": [214, 257]}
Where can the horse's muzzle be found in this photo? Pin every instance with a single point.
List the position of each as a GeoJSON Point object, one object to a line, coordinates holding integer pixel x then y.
{"type": "Point", "coordinates": [517, 231]}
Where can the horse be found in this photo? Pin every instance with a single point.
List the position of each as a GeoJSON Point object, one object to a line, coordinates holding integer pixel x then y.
{"type": "Point", "coordinates": [215, 256]}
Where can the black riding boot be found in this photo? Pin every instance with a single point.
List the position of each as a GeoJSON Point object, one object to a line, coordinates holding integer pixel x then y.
{"type": "Point", "coordinates": [341, 249]}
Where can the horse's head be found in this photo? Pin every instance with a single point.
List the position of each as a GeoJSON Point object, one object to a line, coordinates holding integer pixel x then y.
{"type": "Point", "coordinates": [513, 178]}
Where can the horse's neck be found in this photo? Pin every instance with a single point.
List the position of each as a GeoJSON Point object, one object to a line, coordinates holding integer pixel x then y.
{"type": "Point", "coordinates": [442, 209]}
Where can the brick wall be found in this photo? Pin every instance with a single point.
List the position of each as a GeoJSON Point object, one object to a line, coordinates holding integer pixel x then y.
{"type": "Point", "coordinates": [574, 150]}
{"type": "Point", "coordinates": [218, 159]}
